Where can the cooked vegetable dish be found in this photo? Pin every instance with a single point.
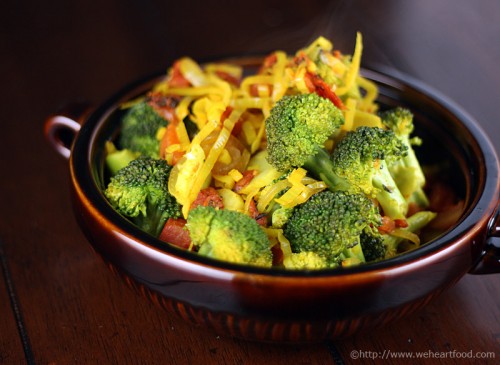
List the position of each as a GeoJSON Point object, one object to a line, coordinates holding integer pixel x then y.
{"type": "Point", "coordinates": [293, 165]}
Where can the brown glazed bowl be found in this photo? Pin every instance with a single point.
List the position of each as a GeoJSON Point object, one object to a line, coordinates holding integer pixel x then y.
{"type": "Point", "coordinates": [295, 306]}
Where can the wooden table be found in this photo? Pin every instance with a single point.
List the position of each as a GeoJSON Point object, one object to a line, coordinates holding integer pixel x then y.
{"type": "Point", "coordinates": [58, 302]}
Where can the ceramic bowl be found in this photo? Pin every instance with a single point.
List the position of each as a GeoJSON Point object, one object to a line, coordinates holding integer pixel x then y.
{"type": "Point", "coordinates": [295, 306]}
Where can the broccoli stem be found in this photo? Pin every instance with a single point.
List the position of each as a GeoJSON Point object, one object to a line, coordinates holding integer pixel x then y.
{"type": "Point", "coordinates": [353, 255]}
{"type": "Point", "coordinates": [415, 223]}
{"type": "Point", "coordinates": [411, 161]}
{"type": "Point", "coordinates": [153, 222]}
{"type": "Point", "coordinates": [118, 159]}
{"type": "Point", "coordinates": [321, 165]}
{"type": "Point", "coordinates": [389, 196]}
{"type": "Point", "coordinates": [420, 198]}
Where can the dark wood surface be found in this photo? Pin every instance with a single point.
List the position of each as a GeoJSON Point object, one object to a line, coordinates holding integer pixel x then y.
{"type": "Point", "coordinates": [60, 305]}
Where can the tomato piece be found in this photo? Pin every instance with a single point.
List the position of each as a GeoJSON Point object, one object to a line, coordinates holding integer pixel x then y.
{"type": "Point", "coordinates": [175, 233]}
{"type": "Point", "coordinates": [309, 84]}
{"type": "Point", "coordinates": [225, 114]}
{"type": "Point", "coordinates": [208, 197]}
{"type": "Point", "coordinates": [324, 90]}
{"type": "Point", "coordinates": [400, 223]}
{"type": "Point", "coordinates": [171, 138]}
{"type": "Point", "coordinates": [238, 127]}
{"type": "Point", "coordinates": [177, 79]}
{"type": "Point", "coordinates": [260, 218]}
{"type": "Point", "coordinates": [300, 57]}
{"type": "Point", "coordinates": [268, 62]}
{"type": "Point", "coordinates": [164, 105]}
{"type": "Point", "coordinates": [248, 175]}
{"type": "Point", "coordinates": [254, 89]}
{"type": "Point", "coordinates": [388, 225]}
{"type": "Point", "coordinates": [228, 77]}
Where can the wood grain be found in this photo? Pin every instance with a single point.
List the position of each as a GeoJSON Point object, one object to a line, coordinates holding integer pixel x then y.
{"type": "Point", "coordinates": [11, 345]}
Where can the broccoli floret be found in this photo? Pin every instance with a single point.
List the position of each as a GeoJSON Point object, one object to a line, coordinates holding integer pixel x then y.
{"type": "Point", "coordinates": [407, 171]}
{"type": "Point", "coordinates": [280, 216]}
{"type": "Point", "coordinates": [330, 224]}
{"type": "Point", "coordinates": [297, 129]}
{"type": "Point", "coordinates": [229, 236]}
{"type": "Point", "coordinates": [139, 191]}
{"type": "Point", "coordinates": [306, 260]}
{"type": "Point", "coordinates": [140, 126]}
{"type": "Point", "coordinates": [373, 246]}
{"type": "Point", "coordinates": [362, 157]}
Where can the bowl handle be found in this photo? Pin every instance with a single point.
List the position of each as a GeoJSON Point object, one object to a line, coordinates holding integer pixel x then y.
{"type": "Point", "coordinates": [61, 128]}
{"type": "Point", "coordinates": [489, 262]}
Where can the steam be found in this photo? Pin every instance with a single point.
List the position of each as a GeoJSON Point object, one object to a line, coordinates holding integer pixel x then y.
{"type": "Point", "coordinates": [289, 32]}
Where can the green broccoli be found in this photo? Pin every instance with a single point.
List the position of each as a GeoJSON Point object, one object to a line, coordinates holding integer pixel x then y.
{"type": "Point", "coordinates": [407, 171]}
{"type": "Point", "coordinates": [373, 246]}
{"type": "Point", "coordinates": [229, 236]}
{"type": "Point", "coordinates": [280, 216]}
{"type": "Point", "coordinates": [139, 191]}
{"type": "Point", "coordinates": [140, 126]}
{"type": "Point", "coordinates": [330, 224]}
{"type": "Point", "coordinates": [299, 125]}
{"type": "Point", "coordinates": [305, 260]}
{"type": "Point", "coordinates": [297, 129]}
{"type": "Point", "coordinates": [362, 157]}
{"type": "Point", "coordinates": [324, 70]}
{"type": "Point", "coordinates": [118, 159]}
{"type": "Point", "coordinates": [415, 222]}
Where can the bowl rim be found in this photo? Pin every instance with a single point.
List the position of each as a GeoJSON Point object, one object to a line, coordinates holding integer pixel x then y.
{"type": "Point", "coordinates": [83, 177]}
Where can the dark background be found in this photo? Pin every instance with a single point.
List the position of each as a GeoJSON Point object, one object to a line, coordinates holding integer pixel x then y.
{"type": "Point", "coordinates": [58, 302]}
{"type": "Point", "coordinates": [87, 49]}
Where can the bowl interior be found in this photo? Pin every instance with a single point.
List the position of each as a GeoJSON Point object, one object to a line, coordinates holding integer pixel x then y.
{"type": "Point", "coordinates": [451, 144]}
